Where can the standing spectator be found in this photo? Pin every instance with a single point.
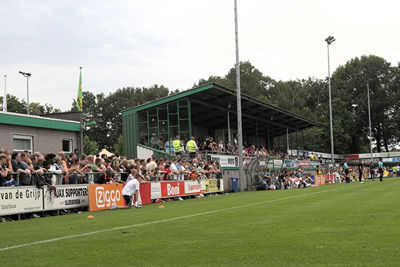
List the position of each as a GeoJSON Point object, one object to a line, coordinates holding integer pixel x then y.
{"type": "Point", "coordinates": [177, 146]}
{"type": "Point", "coordinates": [192, 148]}
{"type": "Point", "coordinates": [51, 158]}
{"type": "Point", "coordinates": [22, 169]}
{"type": "Point", "coordinates": [360, 171]}
{"type": "Point", "coordinates": [174, 169]}
{"type": "Point", "coordinates": [380, 166]}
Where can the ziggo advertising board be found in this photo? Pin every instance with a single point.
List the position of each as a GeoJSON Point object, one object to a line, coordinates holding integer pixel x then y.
{"type": "Point", "coordinates": [104, 196]}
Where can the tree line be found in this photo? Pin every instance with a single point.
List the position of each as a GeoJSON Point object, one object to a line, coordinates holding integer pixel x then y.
{"type": "Point", "coordinates": [306, 97]}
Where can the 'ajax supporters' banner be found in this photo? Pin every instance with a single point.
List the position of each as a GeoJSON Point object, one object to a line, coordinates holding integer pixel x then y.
{"type": "Point", "coordinates": [66, 197]}
{"type": "Point", "coordinates": [14, 200]}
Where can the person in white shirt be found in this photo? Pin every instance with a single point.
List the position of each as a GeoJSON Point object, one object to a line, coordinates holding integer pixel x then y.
{"type": "Point", "coordinates": [174, 169]}
{"type": "Point", "coordinates": [131, 189]}
{"type": "Point", "coordinates": [51, 158]}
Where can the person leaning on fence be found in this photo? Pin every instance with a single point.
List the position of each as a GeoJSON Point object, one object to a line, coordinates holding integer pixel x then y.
{"type": "Point", "coordinates": [192, 148]}
{"type": "Point", "coordinates": [5, 178]}
{"type": "Point", "coordinates": [24, 173]}
{"type": "Point", "coordinates": [177, 146]}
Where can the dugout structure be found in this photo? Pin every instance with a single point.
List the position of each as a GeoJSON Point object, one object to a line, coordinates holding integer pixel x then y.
{"type": "Point", "coordinates": [209, 110]}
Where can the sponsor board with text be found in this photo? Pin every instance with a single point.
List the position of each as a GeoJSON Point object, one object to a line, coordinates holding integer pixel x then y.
{"type": "Point", "coordinates": [23, 199]}
{"type": "Point", "coordinates": [103, 196]}
{"type": "Point", "coordinates": [172, 189]}
{"type": "Point", "coordinates": [194, 187]}
{"type": "Point", "coordinates": [66, 197]}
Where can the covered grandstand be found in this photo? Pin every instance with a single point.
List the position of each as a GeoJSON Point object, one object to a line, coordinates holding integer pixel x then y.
{"type": "Point", "coordinates": [209, 110]}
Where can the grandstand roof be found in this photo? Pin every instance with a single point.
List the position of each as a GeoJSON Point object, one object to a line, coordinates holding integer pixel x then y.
{"type": "Point", "coordinates": [209, 105]}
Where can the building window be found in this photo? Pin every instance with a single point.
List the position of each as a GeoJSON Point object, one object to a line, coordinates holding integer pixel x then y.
{"type": "Point", "coordinates": [67, 145]}
{"type": "Point", "coordinates": [22, 143]}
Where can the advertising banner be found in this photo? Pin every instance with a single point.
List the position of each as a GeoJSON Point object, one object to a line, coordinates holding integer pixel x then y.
{"type": "Point", "coordinates": [66, 197]}
{"type": "Point", "coordinates": [278, 163]}
{"type": "Point", "coordinates": [320, 179]}
{"type": "Point", "coordinates": [331, 179]}
{"type": "Point", "coordinates": [22, 199]}
{"type": "Point", "coordinates": [226, 160]}
{"type": "Point", "coordinates": [213, 186]}
{"type": "Point", "coordinates": [303, 164]}
{"type": "Point", "coordinates": [194, 187]}
{"type": "Point", "coordinates": [103, 196]}
{"type": "Point", "coordinates": [145, 193]}
{"type": "Point", "coordinates": [172, 189]}
{"type": "Point", "coordinates": [155, 190]}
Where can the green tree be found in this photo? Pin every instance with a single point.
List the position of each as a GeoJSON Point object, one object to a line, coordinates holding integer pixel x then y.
{"type": "Point", "coordinates": [90, 147]}
{"type": "Point", "coordinates": [119, 147]}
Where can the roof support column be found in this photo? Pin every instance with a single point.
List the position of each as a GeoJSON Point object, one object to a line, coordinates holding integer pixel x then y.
{"type": "Point", "coordinates": [257, 144]}
{"type": "Point", "coordinates": [287, 140]}
{"type": "Point", "coordinates": [189, 118]}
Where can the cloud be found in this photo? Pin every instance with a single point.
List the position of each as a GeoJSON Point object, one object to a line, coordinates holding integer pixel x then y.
{"type": "Point", "coordinates": [177, 42]}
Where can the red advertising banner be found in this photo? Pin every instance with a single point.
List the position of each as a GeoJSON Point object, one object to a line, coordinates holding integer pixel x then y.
{"type": "Point", "coordinates": [304, 164]}
{"type": "Point", "coordinates": [352, 156]}
{"type": "Point", "coordinates": [331, 179]}
{"type": "Point", "coordinates": [145, 193]}
{"type": "Point", "coordinates": [172, 189]}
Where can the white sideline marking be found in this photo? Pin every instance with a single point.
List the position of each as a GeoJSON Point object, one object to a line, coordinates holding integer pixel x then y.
{"type": "Point", "coordinates": [160, 221]}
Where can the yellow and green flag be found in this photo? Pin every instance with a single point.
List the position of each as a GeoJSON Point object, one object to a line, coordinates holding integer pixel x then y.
{"type": "Point", "coordinates": [79, 99]}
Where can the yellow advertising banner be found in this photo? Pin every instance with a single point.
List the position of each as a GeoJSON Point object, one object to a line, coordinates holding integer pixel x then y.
{"type": "Point", "coordinates": [211, 186]}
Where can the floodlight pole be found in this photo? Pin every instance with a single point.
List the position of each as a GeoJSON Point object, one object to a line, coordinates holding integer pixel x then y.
{"type": "Point", "coordinates": [26, 75]}
{"type": "Point", "coordinates": [242, 178]}
{"type": "Point", "coordinates": [330, 40]}
{"type": "Point", "coordinates": [5, 94]}
{"type": "Point", "coordinates": [369, 118]}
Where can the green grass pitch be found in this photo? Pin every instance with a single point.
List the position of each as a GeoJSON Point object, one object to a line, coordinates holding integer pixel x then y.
{"type": "Point", "coordinates": [346, 224]}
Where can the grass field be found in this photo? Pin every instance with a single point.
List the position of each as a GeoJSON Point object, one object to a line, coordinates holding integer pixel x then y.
{"type": "Point", "coordinates": [346, 224]}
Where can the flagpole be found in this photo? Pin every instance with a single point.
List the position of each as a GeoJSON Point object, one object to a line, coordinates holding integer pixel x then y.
{"type": "Point", "coordinates": [5, 94]}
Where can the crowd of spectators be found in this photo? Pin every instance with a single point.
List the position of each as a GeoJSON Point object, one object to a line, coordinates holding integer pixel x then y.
{"type": "Point", "coordinates": [209, 145]}
{"type": "Point", "coordinates": [22, 168]}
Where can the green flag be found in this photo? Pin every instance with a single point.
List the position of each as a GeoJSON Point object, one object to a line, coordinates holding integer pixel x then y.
{"type": "Point", "coordinates": [79, 99]}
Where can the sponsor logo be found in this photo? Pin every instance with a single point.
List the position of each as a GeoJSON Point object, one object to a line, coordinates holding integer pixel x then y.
{"type": "Point", "coordinates": [106, 197]}
{"type": "Point", "coordinates": [172, 190]}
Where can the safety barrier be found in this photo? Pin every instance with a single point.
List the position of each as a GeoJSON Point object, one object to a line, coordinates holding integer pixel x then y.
{"type": "Point", "coordinates": [28, 199]}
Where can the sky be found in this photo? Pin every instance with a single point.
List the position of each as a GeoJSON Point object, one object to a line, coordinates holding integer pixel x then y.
{"type": "Point", "coordinates": [177, 42]}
